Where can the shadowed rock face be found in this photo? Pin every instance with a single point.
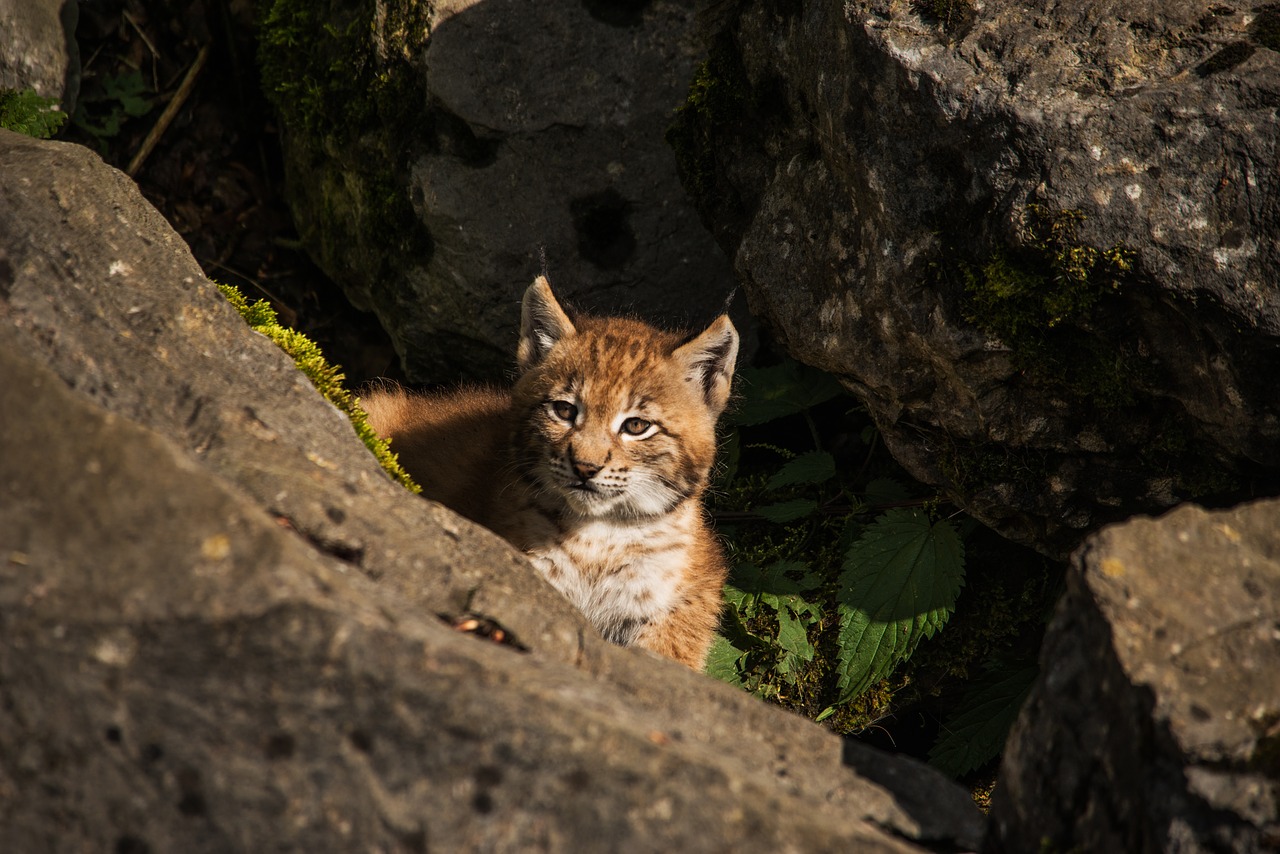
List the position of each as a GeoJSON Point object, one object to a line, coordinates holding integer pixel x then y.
{"type": "Point", "coordinates": [1156, 722]}
{"type": "Point", "coordinates": [876, 175]}
{"type": "Point", "coordinates": [39, 49]}
{"type": "Point", "coordinates": [514, 129]}
{"type": "Point", "coordinates": [222, 627]}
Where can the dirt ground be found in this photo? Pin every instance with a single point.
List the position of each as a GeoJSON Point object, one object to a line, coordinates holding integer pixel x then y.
{"type": "Point", "coordinates": [215, 170]}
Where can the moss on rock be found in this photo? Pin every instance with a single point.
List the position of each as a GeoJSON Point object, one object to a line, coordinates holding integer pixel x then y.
{"type": "Point", "coordinates": [28, 113]}
{"type": "Point", "coordinates": [325, 377]}
{"type": "Point", "coordinates": [331, 76]}
{"type": "Point", "coordinates": [341, 80]}
{"type": "Point", "coordinates": [716, 95]}
{"type": "Point", "coordinates": [1057, 303]}
{"type": "Point", "coordinates": [721, 97]}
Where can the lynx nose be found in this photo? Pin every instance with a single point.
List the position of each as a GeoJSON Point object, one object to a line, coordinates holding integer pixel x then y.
{"type": "Point", "coordinates": [584, 470]}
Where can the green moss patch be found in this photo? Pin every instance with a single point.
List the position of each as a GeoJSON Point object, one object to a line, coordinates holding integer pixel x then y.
{"type": "Point", "coordinates": [726, 123]}
{"type": "Point", "coordinates": [27, 113]}
{"type": "Point", "coordinates": [718, 95]}
{"type": "Point", "coordinates": [1034, 298]}
{"type": "Point", "coordinates": [331, 77]}
{"type": "Point", "coordinates": [325, 377]}
{"type": "Point", "coordinates": [350, 91]}
{"type": "Point", "coordinates": [1053, 278]}
{"type": "Point", "coordinates": [1060, 307]}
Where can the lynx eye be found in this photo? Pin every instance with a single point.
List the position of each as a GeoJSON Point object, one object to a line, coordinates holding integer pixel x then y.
{"type": "Point", "coordinates": [564, 410]}
{"type": "Point", "coordinates": [636, 426]}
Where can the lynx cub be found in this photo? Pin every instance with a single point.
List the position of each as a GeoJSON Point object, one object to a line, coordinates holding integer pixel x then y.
{"type": "Point", "coordinates": [594, 464]}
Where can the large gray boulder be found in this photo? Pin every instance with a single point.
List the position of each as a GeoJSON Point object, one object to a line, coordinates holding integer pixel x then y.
{"type": "Point", "coordinates": [927, 205]}
{"type": "Point", "coordinates": [38, 49]}
{"type": "Point", "coordinates": [1155, 725]}
{"type": "Point", "coordinates": [457, 142]}
{"type": "Point", "coordinates": [222, 627]}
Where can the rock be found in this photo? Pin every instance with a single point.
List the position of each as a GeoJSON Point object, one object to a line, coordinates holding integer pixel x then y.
{"type": "Point", "coordinates": [1038, 245]}
{"type": "Point", "coordinates": [220, 623]}
{"type": "Point", "coordinates": [39, 49]}
{"type": "Point", "coordinates": [111, 298]}
{"type": "Point", "coordinates": [1155, 724]}
{"type": "Point", "coordinates": [482, 134]}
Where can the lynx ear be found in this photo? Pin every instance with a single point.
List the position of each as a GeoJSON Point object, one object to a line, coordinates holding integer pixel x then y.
{"type": "Point", "coordinates": [708, 361]}
{"type": "Point", "coordinates": [542, 324]}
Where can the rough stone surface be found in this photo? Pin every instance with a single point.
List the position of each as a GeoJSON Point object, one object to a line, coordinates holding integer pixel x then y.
{"type": "Point", "coordinates": [1155, 725]}
{"type": "Point", "coordinates": [531, 127]}
{"type": "Point", "coordinates": [110, 296]}
{"type": "Point", "coordinates": [219, 621]}
{"type": "Point", "coordinates": [855, 159]}
{"type": "Point", "coordinates": [38, 49]}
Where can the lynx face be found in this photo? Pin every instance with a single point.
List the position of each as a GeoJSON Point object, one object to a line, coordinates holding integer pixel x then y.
{"type": "Point", "coordinates": [592, 465]}
{"type": "Point", "coordinates": [617, 419]}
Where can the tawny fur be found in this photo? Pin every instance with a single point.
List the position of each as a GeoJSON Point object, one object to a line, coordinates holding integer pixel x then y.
{"type": "Point", "coordinates": [594, 464]}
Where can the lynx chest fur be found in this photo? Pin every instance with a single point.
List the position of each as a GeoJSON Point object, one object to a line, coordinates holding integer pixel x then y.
{"type": "Point", "coordinates": [594, 464]}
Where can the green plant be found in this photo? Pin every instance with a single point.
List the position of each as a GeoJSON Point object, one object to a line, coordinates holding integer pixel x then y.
{"type": "Point", "coordinates": [899, 586]}
{"type": "Point", "coordinates": [975, 731]}
{"type": "Point", "coordinates": [832, 586]}
{"type": "Point", "coordinates": [110, 102]}
{"type": "Point", "coordinates": [325, 377]}
{"type": "Point", "coordinates": [842, 567]}
{"type": "Point", "coordinates": [27, 113]}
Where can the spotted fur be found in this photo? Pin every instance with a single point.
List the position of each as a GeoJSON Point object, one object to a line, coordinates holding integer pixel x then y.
{"type": "Point", "coordinates": [594, 464]}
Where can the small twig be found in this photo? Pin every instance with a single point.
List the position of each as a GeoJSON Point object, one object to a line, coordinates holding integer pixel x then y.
{"type": "Point", "coordinates": [84, 68]}
{"type": "Point", "coordinates": [166, 118]}
{"type": "Point", "coordinates": [155, 54]}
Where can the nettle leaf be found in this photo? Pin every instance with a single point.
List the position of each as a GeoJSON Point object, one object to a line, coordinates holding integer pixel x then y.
{"type": "Point", "coordinates": [735, 630]}
{"type": "Point", "coordinates": [899, 585]}
{"type": "Point", "coordinates": [722, 661]}
{"type": "Point", "coordinates": [975, 731]}
{"type": "Point", "coordinates": [813, 467]}
{"type": "Point", "coordinates": [793, 634]}
{"type": "Point", "coordinates": [787, 511]}
{"type": "Point", "coordinates": [746, 577]}
{"type": "Point", "coordinates": [794, 618]}
{"type": "Point", "coordinates": [781, 390]}
{"type": "Point", "coordinates": [884, 490]}
{"type": "Point", "coordinates": [739, 599]}
{"type": "Point", "coordinates": [774, 578]}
